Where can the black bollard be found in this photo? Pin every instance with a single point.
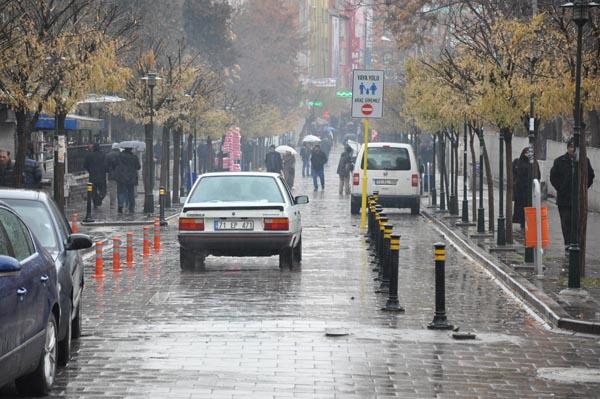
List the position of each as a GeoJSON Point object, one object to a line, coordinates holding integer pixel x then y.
{"type": "Point", "coordinates": [392, 304]}
{"type": "Point", "coordinates": [88, 209]}
{"type": "Point", "coordinates": [374, 241]}
{"type": "Point", "coordinates": [369, 219]}
{"type": "Point", "coordinates": [379, 261]}
{"type": "Point", "coordinates": [440, 321]}
{"type": "Point", "coordinates": [385, 274]}
{"type": "Point", "coordinates": [161, 202]}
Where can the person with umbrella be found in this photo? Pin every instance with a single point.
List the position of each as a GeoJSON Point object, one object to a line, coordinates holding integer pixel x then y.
{"type": "Point", "coordinates": [344, 170]}
{"type": "Point", "coordinates": [126, 175]}
{"type": "Point", "coordinates": [289, 168]}
{"type": "Point", "coordinates": [95, 165]}
{"type": "Point", "coordinates": [273, 160]}
{"type": "Point", "coordinates": [305, 155]}
{"type": "Point", "coordinates": [318, 160]}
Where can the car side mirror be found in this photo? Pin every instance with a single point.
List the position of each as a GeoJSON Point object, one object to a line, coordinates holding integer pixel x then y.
{"type": "Point", "coordinates": [9, 264]}
{"type": "Point", "coordinates": [301, 200]}
{"type": "Point", "coordinates": [78, 241]}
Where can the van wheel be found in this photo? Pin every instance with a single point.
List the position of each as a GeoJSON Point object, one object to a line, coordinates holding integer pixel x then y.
{"type": "Point", "coordinates": [416, 208]}
{"type": "Point", "coordinates": [40, 381]}
{"type": "Point", "coordinates": [354, 206]}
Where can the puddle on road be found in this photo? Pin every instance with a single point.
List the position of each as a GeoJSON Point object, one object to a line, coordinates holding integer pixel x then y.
{"type": "Point", "coordinates": [570, 375]}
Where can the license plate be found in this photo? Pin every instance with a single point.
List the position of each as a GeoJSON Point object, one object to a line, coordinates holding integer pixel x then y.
{"type": "Point", "coordinates": [386, 182]}
{"type": "Point", "coordinates": [234, 224]}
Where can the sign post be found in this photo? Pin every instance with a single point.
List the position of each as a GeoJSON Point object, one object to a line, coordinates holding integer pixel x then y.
{"type": "Point", "coordinates": [367, 102]}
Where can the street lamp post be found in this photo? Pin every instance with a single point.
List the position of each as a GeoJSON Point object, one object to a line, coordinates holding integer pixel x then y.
{"type": "Point", "coordinates": [151, 79]}
{"type": "Point", "coordinates": [432, 178]}
{"type": "Point", "coordinates": [580, 17]}
{"type": "Point", "coordinates": [501, 236]}
{"type": "Point", "coordinates": [481, 209]}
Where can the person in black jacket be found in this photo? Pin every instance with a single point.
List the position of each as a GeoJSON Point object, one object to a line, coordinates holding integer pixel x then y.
{"type": "Point", "coordinates": [111, 160]}
{"type": "Point", "coordinates": [126, 175]}
{"type": "Point", "coordinates": [318, 160]}
{"type": "Point", "coordinates": [273, 160]}
{"type": "Point", "coordinates": [520, 170]}
{"type": "Point", "coordinates": [95, 165]}
{"type": "Point", "coordinates": [344, 169]}
{"type": "Point", "coordinates": [560, 178]}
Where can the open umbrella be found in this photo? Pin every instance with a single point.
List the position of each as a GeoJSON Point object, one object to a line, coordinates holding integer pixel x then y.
{"type": "Point", "coordinates": [311, 139]}
{"type": "Point", "coordinates": [135, 144]}
{"type": "Point", "coordinates": [286, 148]}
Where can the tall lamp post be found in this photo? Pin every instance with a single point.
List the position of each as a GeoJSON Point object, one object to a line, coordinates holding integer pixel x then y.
{"type": "Point", "coordinates": [481, 209]}
{"type": "Point", "coordinates": [501, 236]}
{"type": "Point", "coordinates": [465, 200]}
{"type": "Point", "coordinates": [151, 79]}
{"type": "Point", "coordinates": [581, 10]}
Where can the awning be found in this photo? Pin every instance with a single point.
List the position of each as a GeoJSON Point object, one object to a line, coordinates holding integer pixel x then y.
{"type": "Point", "coordinates": [72, 122]}
{"type": "Point", "coordinates": [96, 99]}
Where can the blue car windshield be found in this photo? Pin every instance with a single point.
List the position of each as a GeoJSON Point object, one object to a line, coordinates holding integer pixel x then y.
{"type": "Point", "coordinates": [38, 218]}
{"type": "Point", "coordinates": [262, 189]}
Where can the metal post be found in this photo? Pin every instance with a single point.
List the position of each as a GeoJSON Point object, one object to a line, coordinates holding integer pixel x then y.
{"type": "Point", "coordinates": [501, 236]}
{"type": "Point", "coordinates": [162, 192]}
{"type": "Point", "coordinates": [529, 252]}
{"type": "Point", "coordinates": [537, 199]}
{"type": "Point", "coordinates": [442, 172]}
{"type": "Point", "coordinates": [451, 176]}
{"type": "Point", "coordinates": [481, 210]}
{"type": "Point", "coordinates": [88, 209]}
{"type": "Point", "coordinates": [392, 304]}
{"type": "Point", "coordinates": [387, 236]}
{"type": "Point", "coordinates": [380, 247]}
{"type": "Point", "coordinates": [149, 195]}
{"type": "Point", "coordinates": [465, 201]}
{"type": "Point", "coordinates": [440, 322]}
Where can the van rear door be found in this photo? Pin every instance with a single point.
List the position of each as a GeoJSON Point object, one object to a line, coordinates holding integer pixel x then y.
{"type": "Point", "coordinates": [390, 170]}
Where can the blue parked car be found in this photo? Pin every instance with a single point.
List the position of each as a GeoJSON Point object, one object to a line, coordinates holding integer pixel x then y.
{"type": "Point", "coordinates": [29, 308]}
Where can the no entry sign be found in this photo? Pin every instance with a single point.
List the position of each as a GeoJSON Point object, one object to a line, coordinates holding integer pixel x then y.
{"type": "Point", "coordinates": [367, 94]}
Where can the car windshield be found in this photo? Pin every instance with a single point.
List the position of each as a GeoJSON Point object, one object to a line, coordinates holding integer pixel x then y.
{"type": "Point", "coordinates": [237, 189]}
{"type": "Point", "coordinates": [38, 218]}
{"type": "Point", "coordinates": [388, 158]}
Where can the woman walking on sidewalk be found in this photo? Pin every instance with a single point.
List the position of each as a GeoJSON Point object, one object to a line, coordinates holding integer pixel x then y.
{"type": "Point", "coordinates": [520, 170]}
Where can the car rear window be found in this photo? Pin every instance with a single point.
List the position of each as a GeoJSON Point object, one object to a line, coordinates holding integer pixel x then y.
{"type": "Point", "coordinates": [388, 158]}
{"type": "Point", "coordinates": [237, 189]}
{"type": "Point", "coordinates": [38, 218]}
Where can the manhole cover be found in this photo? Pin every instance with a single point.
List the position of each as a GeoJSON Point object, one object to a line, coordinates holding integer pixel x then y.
{"type": "Point", "coordinates": [570, 374]}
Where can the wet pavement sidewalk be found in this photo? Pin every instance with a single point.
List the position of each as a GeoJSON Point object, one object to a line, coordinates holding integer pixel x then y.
{"type": "Point", "coordinates": [243, 328]}
{"type": "Point", "coordinates": [554, 260]}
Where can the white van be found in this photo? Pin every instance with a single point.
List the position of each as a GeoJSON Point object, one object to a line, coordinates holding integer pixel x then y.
{"type": "Point", "coordinates": [392, 171]}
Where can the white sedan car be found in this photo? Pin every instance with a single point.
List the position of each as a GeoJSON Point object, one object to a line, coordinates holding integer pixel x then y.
{"type": "Point", "coordinates": [240, 214]}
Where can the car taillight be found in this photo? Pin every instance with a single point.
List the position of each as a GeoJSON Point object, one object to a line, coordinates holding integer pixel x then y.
{"type": "Point", "coordinates": [355, 179]}
{"type": "Point", "coordinates": [415, 180]}
{"type": "Point", "coordinates": [191, 224]}
{"type": "Point", "coordinates": [277, 224]}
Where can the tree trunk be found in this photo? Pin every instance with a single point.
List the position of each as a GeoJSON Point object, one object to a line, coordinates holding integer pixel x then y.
{"type": "Point", "coordinates": [176, 163]}
{"type": "Point", "coordinates": [59, 167]}
{"type": "Point", "coordinates": [473, 173]}
{"type": "Point", "coordinates": [490, 186]}
{"type": "Point", "coordinates": [509, 185]}
{"type": "Point", "coordinates": [164, 157]}
{"type": "Point", "coordinates": [148, 169]}
{"type": "Point", "coordinates": [22, 142]}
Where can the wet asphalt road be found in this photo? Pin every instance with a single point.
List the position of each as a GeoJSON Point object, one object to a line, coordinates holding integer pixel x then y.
{"type": "Point", "coordinates": [245, 329]}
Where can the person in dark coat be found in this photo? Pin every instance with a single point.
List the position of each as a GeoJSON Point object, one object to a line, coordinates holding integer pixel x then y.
{"type": "Point", "coordinates": [560, 178]}
{"type": "Point", "coordinates": [344, 170]}
{"type": "Point", "coordinates": [520, 170]}
{"type": "Point", "coordinates": [289, 168]}
{"type": "Point", "coordinates": [273, 160]}
{"type": "Point", "coordinates": [95, 164]}
{"type": "Point", "coordinates": [111, 161]}
{"type": "Point", "coordinates": [7, 169]}
{"type": "Point", "coordinates": [318, 160]}
{"type": "Point", "coordinates": [32, 173]}
{"type": "Point", "coordinates": [305, 155]}
{"type": "Point", "coordinates": [126, 175]}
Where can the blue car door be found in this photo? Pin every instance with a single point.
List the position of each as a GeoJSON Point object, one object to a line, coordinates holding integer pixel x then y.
{"type": "Point", "coordinates": [31, 293]}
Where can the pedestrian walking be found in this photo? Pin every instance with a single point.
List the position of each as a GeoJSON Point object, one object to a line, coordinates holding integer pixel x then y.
{"type": "Point", "coordinates": [112, 160]}
{"type": "Point", "coordinates": [126, 175]}
{"type": "Point", "coordinates": [305, 155]}
{"type": "Point", "coordinates": [7, 171]}
{"type": "Point", "coordinates": [95, 164]}
{"type": "Point", "coordinates": [560, 178]}
{"type": "Point", "coordinates": [520, 171]}
{"type": "Point", "coordinates": [289, 168]}
{"type": "Point", "coordinates": [318, 159]}
{"type": "Point", "coordinates": [273, 160]}
{"type": "Point", "coordinates": [344, 169]}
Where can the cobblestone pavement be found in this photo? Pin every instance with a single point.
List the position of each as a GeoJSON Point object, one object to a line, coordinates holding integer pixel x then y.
{"type": "Point", "coordinates": [245, 329]}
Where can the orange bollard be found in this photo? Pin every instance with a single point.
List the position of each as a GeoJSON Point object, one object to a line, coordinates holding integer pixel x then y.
{"type": "Point", "coordinates": [99, 261]}
{"type": "Point", "coordinates": [156, 235]}
{"type": "Point", "coordinates": [116, 254]}
{"type": "Point", "coordinates": [129, 251]}
{"type": "Point", "coordinates": [146, 250]}
{"type": "Point", "coordinates": [74, 226]}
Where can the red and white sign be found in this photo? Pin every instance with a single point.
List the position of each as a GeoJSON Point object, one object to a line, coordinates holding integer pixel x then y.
{"type": "Point", "coordinates": [367, 94]}
{"type": "Point", "coordinates": [367, 109]}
